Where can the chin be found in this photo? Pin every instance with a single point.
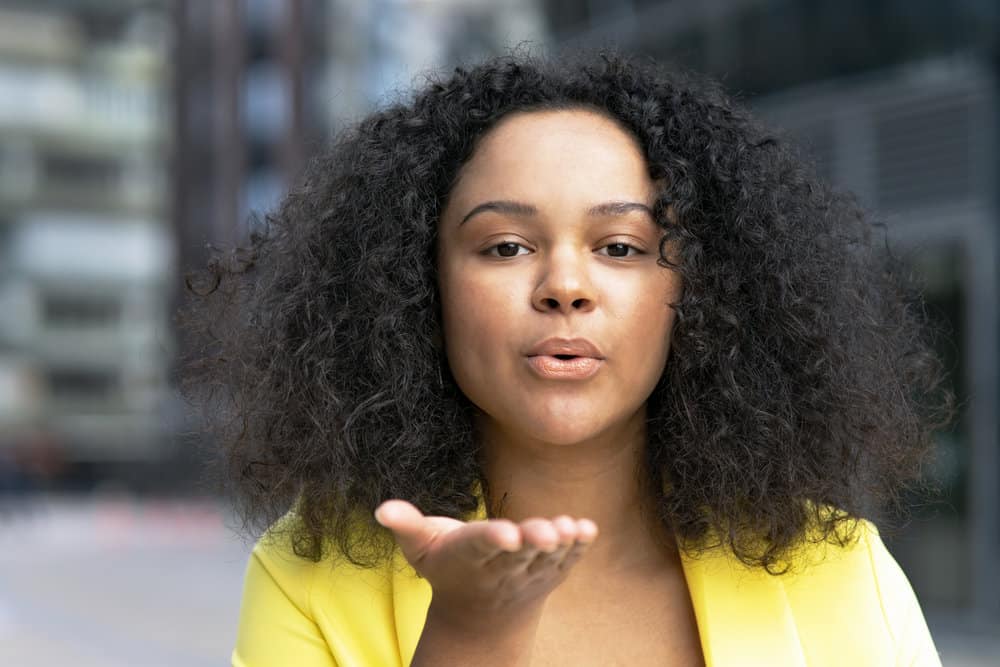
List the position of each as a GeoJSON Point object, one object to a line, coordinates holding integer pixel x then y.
{"type": "Point", "coordinates": [559, 420]}
{"type": "Point", "coordinates": [564, 428]}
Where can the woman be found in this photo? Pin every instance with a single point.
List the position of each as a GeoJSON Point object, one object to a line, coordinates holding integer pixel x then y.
{"type": "Point", "coordinates": [569, 362]}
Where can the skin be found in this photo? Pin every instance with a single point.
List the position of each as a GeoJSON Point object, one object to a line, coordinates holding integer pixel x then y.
{"type": "Point", "coordinates": [564, 452]}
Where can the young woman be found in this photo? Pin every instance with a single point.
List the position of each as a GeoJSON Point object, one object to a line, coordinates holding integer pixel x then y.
{"type": "Point", "coordinates": [569, 362]}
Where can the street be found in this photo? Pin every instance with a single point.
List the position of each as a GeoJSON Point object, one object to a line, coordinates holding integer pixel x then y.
{"type": "Point", "coordinates": [116, 583]}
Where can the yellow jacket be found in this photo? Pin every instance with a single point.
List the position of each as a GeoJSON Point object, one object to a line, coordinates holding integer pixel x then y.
{"type": "Point", "coordinates": [856, 608]}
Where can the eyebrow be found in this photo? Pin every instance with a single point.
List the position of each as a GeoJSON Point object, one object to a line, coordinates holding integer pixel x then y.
{"type": "Point", "coordinates": [521, 209]}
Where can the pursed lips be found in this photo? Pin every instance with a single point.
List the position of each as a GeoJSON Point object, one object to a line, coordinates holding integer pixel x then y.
{"type": "Point", "coordinates": [565, 359]}
{"type": "Point", "coordinates": [566, 347]}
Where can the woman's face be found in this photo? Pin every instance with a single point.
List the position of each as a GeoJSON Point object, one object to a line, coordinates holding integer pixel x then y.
{"type": "Point", "coordinates": [548, 233]}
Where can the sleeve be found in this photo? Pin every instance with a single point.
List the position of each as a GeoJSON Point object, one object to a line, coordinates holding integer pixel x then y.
{"type": "Point", "coordinates": [904, 618]}
{"type": "Point", "coordinates": [275, 623]}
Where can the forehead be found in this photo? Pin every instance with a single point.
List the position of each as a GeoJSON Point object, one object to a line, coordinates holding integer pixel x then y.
{"type": "Point", "coordinates": [547, 152]}
{"type": "Point", "coordinates": [555, 123]}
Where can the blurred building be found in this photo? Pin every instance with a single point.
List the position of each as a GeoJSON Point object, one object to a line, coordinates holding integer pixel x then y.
{"type": "Point", "coordinates": [917, 143]}
{"type": "Point", "coordinates": [897, 102]}
{"type": "Point", "coordinates": [261, 85]}
{"type": "Point", "coordinates": [247, 101]}
{"type": "Point", "coordinates": [84, 252]}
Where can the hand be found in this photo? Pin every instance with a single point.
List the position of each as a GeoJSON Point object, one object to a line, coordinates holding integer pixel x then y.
{"type": "Point", "coordinates": [482, 571]}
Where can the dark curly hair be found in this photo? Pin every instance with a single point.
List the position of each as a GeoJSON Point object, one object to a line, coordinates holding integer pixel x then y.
{"type": "Point", "coordinates": [801, 379]}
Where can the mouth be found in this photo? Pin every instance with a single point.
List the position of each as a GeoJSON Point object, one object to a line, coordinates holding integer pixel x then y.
{"type": "Point", "coordinates": [566, 348]}
{"type": "Point", "coordinates": [564, 366]}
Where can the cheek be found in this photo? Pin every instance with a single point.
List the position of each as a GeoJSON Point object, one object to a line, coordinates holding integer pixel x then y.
{"type": "Point", "coordinates": [470, 308]}
{"type": "Point", "coordinates": [649, 321]}
{"type": "Point", "coordinates": [477, 322]}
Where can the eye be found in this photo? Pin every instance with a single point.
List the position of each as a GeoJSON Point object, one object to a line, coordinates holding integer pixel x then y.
{"type": "Point", "coordinates": [621, 250]}
{"type": "Point", "coordinates": [504, 249]}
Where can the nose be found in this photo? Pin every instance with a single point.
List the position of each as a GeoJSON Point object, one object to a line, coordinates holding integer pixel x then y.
{"type": "Point", "coordinates": [565, 285]}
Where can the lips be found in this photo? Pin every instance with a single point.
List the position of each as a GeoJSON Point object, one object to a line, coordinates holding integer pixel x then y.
{"type": "Point", "coordinates": [566, 347]}
{"type": "Point", "coordinates": [565, 358]}
{"type": "Point", "coordinates": [554, 368]}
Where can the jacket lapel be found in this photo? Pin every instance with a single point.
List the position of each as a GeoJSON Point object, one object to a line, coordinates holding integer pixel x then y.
{"type": "Point", "coordinates": [411, 597]}
{"type": "Point", "coordinates": [744, 617]}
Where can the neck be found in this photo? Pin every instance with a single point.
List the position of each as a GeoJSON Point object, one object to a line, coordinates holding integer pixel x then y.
{"type": "Point", "coordinates": [601, 479]}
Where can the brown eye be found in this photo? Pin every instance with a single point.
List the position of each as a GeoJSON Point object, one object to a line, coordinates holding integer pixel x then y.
{"type": "Point", "coordinates": [505, 249]}
{"type": "Point", "coordinates": [621, 249]}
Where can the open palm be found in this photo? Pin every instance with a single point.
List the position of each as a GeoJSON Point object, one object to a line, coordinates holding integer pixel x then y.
{"type": "Point", "coordinates": [491, 565]}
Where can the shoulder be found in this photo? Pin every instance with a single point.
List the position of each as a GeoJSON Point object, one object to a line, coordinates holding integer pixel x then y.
{"type": "Point", "coordinates": [277, 621]}
{"type": "Point", "coordinates": [315, 587]}
{"type": "Point", "coordinates": [369, 614]}
{"type": "Point", "coordinates": [274, 563]}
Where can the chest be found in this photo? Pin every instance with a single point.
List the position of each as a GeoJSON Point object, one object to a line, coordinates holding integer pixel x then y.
{"type": "Point", "coordinates": [645, 623]}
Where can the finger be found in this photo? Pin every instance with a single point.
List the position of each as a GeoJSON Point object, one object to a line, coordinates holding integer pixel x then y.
{"type": "Point", "coordinates": [506, 562]}
{"type": "Point", "coordinates": [409, 527]}
{"type": "Point", "coordinates": [398, 516]}
{"type": "Point", "coordinates": [587, 530]}
{"type": "Point", "coordinates": [586, 534]}
{"type": "Point", "coordinates": [572, 555]}
{"type": "Point", "coordinates": [548, 561]}
{"type": "Point", "coordinates": [544, 536]}
{"type": "Point", "coordinates": [506, 534]}
{"type": "Point", "coordinates": [416, 533]}
{"type": "Point", "coordinates": [566, 528]}
{"type": "Point", "coordinates": [485, 540]}
{"type": "Point", "coordinates": [541, 534]}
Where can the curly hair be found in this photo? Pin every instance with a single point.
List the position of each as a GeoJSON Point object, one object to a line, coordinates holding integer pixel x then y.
{"type": "Point", "coordinates": [802, 376]}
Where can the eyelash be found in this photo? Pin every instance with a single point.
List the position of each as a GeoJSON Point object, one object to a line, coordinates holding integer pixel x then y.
{"type": "Point", "coordinates": [489, 251]}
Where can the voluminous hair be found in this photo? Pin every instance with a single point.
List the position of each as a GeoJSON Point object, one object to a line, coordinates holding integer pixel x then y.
{"type": "Point", "coordinates": [801, 391]}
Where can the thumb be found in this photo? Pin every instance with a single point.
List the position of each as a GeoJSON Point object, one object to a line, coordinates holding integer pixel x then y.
{"type": "Point", "coordinates": [413, 532]}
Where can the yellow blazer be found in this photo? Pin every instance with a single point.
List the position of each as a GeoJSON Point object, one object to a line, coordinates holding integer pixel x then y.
{"type": "Point", "coordinates": [854, 607]}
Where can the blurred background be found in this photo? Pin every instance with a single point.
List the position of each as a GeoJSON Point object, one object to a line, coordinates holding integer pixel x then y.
{"type": "Point", "coordinates": [136, 133]}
